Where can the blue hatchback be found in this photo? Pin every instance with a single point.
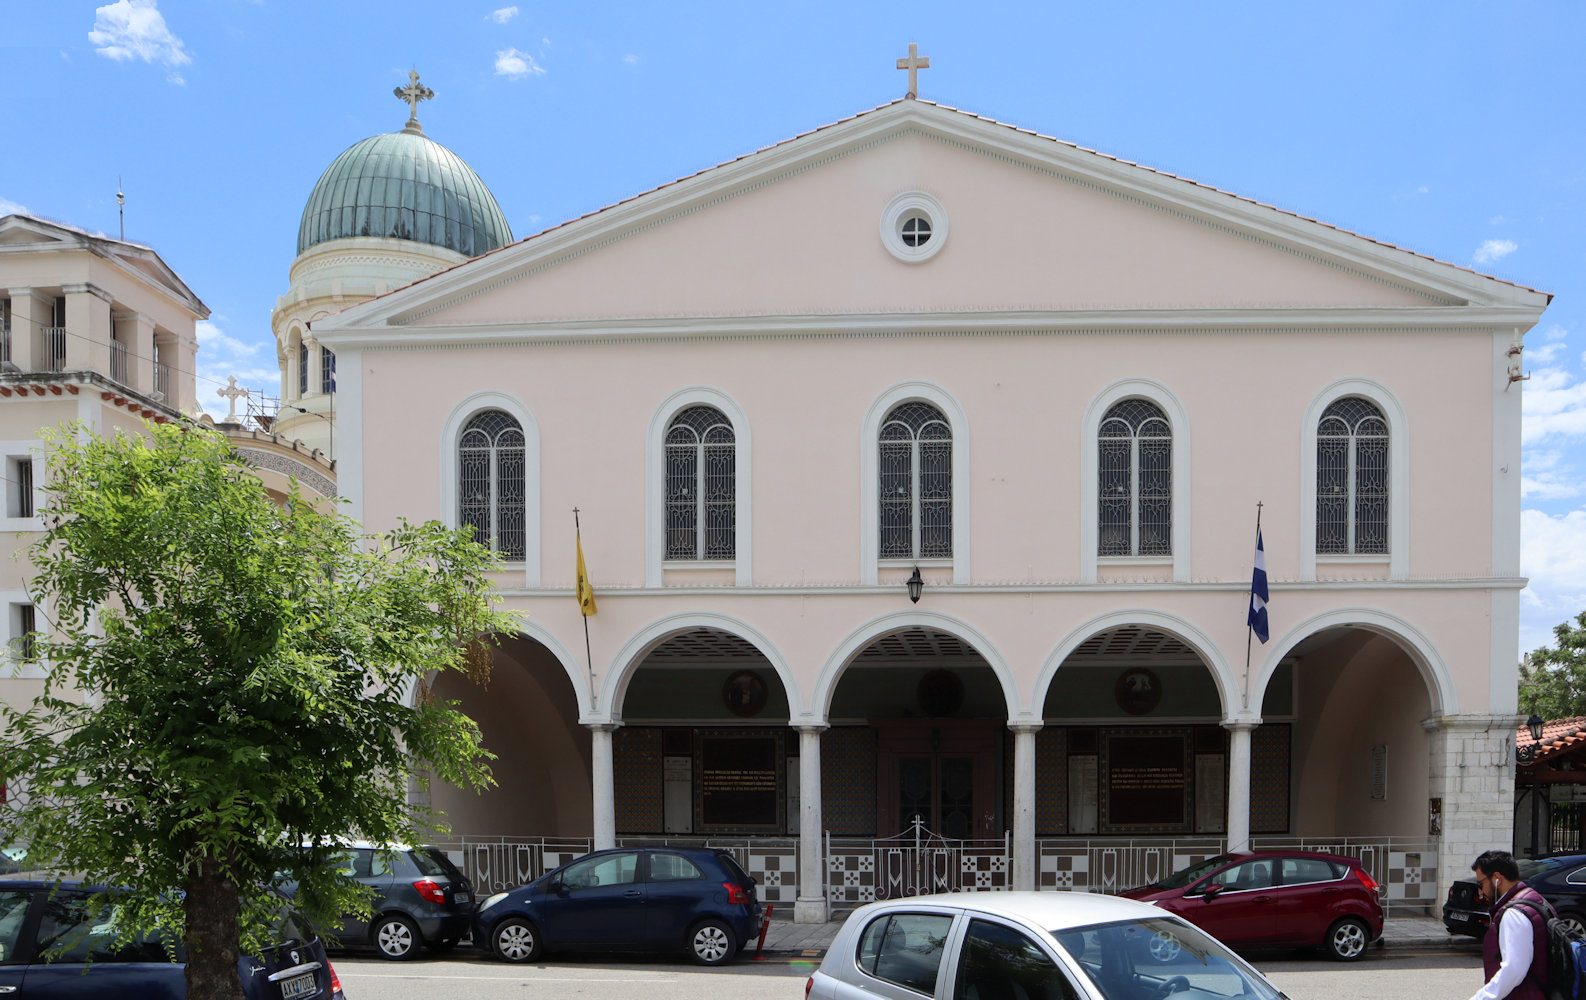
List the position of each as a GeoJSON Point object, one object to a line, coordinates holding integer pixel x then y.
{"type": "Point", "coordinates": [628, 899]}
{"type": "Point", "coordinates": [64, 940]}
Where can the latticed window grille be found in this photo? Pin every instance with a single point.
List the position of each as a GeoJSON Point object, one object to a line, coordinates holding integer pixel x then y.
{"type": "Point", "coordinates": [916, 487]}
{"type": "Point", "coordinates": [1134, 492]}
{"type": "Point", "coordinates": [302, 368]}
{"type": "Point", "coordinates": [1352, 479]}
{"type": "Point", "coordinates": [701, 486]}
{"type": "Point", "coordinates": [327, 370]}
{"type": "Point", "coordinates": [490, 482]}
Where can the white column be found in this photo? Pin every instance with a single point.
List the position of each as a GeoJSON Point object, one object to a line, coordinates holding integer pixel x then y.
{"type": "Point", "coordinates": [1024, 862]}
{"type": "Point", "coordinates": [810, 906]}
{"type": "Point", "coordinates": [604, 788]}
{"type": "Point", "coordinates": [1239, 784]}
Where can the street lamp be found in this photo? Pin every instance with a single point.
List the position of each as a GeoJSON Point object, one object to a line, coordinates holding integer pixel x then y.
{"type": "Point", "coordinates": [1527, 755]}
{"type": "Point", "coordinates": [915, 585]}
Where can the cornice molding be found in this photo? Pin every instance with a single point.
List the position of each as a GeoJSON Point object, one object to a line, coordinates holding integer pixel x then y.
{"type": "Point", "coordinates": [1032, 322]}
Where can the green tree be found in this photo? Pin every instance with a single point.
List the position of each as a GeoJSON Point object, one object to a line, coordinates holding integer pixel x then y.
{"type": "Point", "coordinates": [229, 677]}
{"type": "Point", "coordinates": [1553, 678]}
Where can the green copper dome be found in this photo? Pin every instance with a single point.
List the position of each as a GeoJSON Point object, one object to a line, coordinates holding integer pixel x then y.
{"type": "Point", "coordinates": [404, 186]}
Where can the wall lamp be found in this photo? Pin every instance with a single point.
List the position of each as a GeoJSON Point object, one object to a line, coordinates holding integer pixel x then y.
{"type": "Point", "coordinates": [915, 585]}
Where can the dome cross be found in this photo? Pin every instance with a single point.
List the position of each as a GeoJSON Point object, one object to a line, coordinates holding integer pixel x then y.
{"type": "Point", "coordinates": [413, 93]}
{"type": "Point", "coordinates": [914, 63]}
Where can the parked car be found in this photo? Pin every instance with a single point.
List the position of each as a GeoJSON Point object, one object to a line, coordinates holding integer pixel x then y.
{"type": "Point", "coordinates": [1276, 899]}
{"type": "Point", "coordinates": [647, 899]}
{"type": "Point", "coordinates": [1030, 945]}
{"type": "Point", "coordinates": [1560, 879]}
{"type": "Point", "coordinates": [62, 939]}
{"type": "Point", "coordinates": [421, 900]}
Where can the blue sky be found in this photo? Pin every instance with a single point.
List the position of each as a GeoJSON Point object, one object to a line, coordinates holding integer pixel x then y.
{"type": "Point", "coordinates": [1455, 129]}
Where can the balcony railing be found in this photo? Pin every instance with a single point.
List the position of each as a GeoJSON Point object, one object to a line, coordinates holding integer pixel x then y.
{"type": "Point", "coordinates": [118, 362]}
{"type": "Point", "coordinates": [52, 349]}
{"type": "Point", "coordinates": [162, 381]}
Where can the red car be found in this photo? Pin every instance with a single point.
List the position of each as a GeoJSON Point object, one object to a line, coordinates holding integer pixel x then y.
{"type": "Point", "coordinates": [1275, 899]}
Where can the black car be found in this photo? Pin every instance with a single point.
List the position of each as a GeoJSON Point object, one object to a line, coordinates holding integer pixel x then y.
{"type": "Point", "coordinates": [420, 901]}
{"type": "Point", "coordinates": [1560, 879]}
{"type": "Point", "coordinates": [630, 899]}
{"type": "Point", "coordinates": [63, 939]}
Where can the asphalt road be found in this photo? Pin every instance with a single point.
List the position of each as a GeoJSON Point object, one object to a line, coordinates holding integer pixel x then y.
{"type": "Point", "coordinates": [1382, 975]}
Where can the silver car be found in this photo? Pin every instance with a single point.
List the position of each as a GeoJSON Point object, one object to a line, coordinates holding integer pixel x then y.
{"type": "Point", "coordinates": [1028, 946]}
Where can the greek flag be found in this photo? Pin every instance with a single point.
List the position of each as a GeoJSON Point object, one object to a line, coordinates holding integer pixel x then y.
{"type": "Point", "coordinates": [1258, 592]}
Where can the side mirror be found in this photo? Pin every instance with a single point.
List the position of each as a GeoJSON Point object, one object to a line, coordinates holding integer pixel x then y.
{"type": "Point", "coordinates": [555, 884]}
{"type": "Point", "coordinates": [1211, 891]}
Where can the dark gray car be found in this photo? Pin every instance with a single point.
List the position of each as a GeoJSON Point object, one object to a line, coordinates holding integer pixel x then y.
{"type": "Point", "coordinates": [421, 900]}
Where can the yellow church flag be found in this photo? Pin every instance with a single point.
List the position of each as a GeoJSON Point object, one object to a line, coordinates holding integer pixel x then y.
{"type": "Point", "coordinates": [586, 590]}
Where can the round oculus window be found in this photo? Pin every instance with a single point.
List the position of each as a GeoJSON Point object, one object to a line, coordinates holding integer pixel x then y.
{"type": "Point", "coordinates": [913, 227]}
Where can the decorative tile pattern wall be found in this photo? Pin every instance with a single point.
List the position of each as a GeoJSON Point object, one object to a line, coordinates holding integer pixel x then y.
{"type": "Point", "coordinates": [1051, 781]}
{"type": "Point", "coordinates": [848, 780]}
{"type": "Point", "coordinates": [636, 773]}
{"type": "Point", "coordinates": [1269, 778]}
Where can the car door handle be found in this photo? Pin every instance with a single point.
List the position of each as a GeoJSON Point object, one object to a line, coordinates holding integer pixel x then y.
{"type": "Point", "coordinates": [633, 894]}
{"type": "Point", "coordinates": [1262, 899]}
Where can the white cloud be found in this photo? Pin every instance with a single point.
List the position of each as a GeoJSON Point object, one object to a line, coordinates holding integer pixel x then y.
{"type": "Point", "coordinates": [1553, 555]}
{"type": "Point", "coordinates": [9, 207]}
{"type": "Point", "coordinates": [516, 65]}
{"type": "Point", "coordinates": [503, 15]}
{"type": "Point", "coordinates": [1494, 249]}
{"type": "Point", "coordinates": [221, 355]}
{"type": "Point", "coordinates": [1553, 407]}
{"type": "Point", "coordinates": [1546, 354]}
{"type": "Point", "coordinates": [1546, 476]}
{"type": "Point", "coordinates": [135, 29]}
{"type": "Point", "coordinates": [631, 59]}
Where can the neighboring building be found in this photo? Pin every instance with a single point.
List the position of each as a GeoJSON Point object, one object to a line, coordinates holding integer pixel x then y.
{"type": "Point", "coordinates": [1050, 384]}
{"type": "Point", "coordinates": [1550, 792]}
{"type": "Point", "coordinates": [92, 329]}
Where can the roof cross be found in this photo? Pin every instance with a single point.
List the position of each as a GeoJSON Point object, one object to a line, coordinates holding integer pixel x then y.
{"type": "Point", "coordinates": [413, 93]}
{"type": "Point", "coordinates": [232, 393]}
{"type": "Point", "coordinates": [914, 63]}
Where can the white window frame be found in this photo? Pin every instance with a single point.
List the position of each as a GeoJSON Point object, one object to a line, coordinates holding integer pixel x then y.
{"type": "Point", "coordinates": [870, 563]}
{"type": "Point", "coordinates": [1397, 557]}
{"type": "Point", "coordinates": [451, 439]}
{"type": "Point", "coordinates": [15, 667]}
{"type": "Point", "coordinates": [655, 562]}
{"type": "Point", "coordinates": [1178, 420]}
{"type": "Point", "coordinates": [20, 451]}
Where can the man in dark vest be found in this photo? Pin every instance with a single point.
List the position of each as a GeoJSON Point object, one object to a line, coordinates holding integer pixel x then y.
{"type": "Point", "coordinates": [1514, 953]}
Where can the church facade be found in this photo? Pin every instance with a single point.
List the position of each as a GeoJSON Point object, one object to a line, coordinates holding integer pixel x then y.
{"type": "Point", "coordinates": [918, 461]}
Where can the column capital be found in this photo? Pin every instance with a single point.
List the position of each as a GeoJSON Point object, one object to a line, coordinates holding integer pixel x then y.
{"type": "Point", "coordinates": [602, 727]}
{"type": "Point", "coordinates": [80, 287]}
{"type": "Point", "coordinates": [1242, 724]}
{"type": "Point", "coordinates": [812, 728]}
{"type": "Point", "coordinates": [32, 293]}
{"type": "Point", "coordinates": [1025, 726]}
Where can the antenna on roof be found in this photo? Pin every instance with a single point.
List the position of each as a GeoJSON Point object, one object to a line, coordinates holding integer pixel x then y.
{"type": "Point", "coordinates": [121, 209]}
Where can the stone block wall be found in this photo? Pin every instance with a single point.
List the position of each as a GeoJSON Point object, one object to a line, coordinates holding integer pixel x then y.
{"type": "Point", "coordinates": [1471, 758]}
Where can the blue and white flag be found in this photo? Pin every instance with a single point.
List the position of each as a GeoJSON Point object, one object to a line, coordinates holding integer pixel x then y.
{"type": "Point", "coordinates": [1258, 592]}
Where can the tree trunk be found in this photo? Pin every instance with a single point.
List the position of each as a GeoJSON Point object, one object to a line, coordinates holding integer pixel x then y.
{"type": "Point", "coordinates": [211, 909]}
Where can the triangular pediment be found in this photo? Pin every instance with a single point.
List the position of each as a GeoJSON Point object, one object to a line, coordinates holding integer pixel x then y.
{"type": "Point", "coordinates": [27, 234]}
{"type": "Point", "coordinates": [1029, 226]}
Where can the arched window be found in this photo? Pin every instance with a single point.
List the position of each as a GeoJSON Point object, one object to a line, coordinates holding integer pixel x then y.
{"type": "Point", "coordinates": [916, 483]}
{"type": "Point", "coordinates": [302, 369]}
{"type": "Point", "coordinates": [701, 485]}
{"type": "Point", "coordinates": [1352, 479]}
{"type": "Point", "coordinates": [490, 481]}
{"type": "Point", "coordinates": [1134, 491]}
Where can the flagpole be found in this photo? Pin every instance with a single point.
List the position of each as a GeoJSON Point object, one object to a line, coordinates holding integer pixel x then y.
{"type": "Point", "coordinates": [1249, 629]}
{"type": "Point", "coordinates": [589, 658]}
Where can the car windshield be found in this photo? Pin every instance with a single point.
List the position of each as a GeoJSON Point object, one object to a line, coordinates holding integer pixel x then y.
{"type": "Point", "coordinates": [1160, 957]}
{"type": "Point", "coordinates": [1530, 868]}
{"type": "Point", "coordinates": [1193, 873]}
{"type": "Point", "coordinates": [432, 862]}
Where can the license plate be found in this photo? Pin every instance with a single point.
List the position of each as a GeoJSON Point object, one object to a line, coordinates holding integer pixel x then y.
{"type": "Point", "coordinates": [463, 897]}
{"type": "Point", "coordinates": [299, 986]}
{"type": "Point", "coordinates": [1459, 916]}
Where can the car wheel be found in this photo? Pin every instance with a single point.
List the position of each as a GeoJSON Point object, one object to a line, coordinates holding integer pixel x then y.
{"type": "Point", "coordinates": [1347, 940]}
{"type": "Point", "coordinates": [515, 940]}
{"type": "Point", "coordinates": [1163, 947]}
{"type": "Point", "coordinates": [712, 943]}
{"type": "Point", "coordinates": [1574, 921]}
{"type": "Point", "coordinates": [396, 938]}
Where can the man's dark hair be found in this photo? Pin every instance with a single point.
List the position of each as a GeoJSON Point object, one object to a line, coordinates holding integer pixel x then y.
{"type": "Point", "coordinates": [1497, 863]}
